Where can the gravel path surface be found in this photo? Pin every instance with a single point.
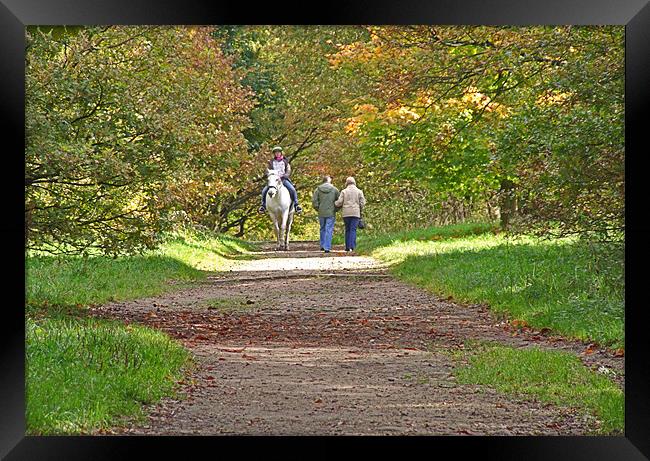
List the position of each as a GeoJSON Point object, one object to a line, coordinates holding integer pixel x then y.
{"type": "Point", "coordinates": [304, 343]}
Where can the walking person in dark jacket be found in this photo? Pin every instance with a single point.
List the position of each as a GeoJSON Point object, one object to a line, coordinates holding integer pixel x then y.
{"type": "Point", "coordinates": [351, 200]}
{"type": "Point", "coordinates": [323, 201]}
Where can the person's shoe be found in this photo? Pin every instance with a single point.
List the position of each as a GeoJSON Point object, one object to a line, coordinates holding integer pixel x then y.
{"type": "Point", "coordinates": [298, 209]}
{"type": "Point", "coordinates": [262, 209]}
{"type": "Point", "coordinates": [326, 251]}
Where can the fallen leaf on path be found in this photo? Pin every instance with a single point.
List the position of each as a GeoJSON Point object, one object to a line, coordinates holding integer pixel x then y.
{"type": "Point", "coordinates": [519, 323]}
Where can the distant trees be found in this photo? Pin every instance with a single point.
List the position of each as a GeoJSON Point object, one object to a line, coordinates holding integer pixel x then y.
{"type": "Point", "coordinates": [530, 117]}
{"type": "Point", "coordinates": [300, 104]}
{"type": "Point", "coordinates": [124, 124]}
{"type": "Point", "coordinates": [127, 127]}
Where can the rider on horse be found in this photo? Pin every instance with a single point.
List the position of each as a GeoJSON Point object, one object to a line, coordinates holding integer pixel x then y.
{"type": "Point", "coordinates": [280, 164]}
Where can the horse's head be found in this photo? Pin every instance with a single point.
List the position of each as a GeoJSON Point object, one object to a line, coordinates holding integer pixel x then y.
{"type": "Point", "coordinates": [273, 181]}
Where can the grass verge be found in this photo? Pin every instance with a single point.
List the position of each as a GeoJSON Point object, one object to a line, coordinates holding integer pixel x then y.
{"type": "Point", "coordinates": [548, 376]}
{"type": "Point", "coordinates": [367, 241]}
{"type": "Point", "coordinates": [86, 374]}
{"type": "Point", "coordinates": [78, 281]}
{"type": "Point", "coordinates": [555, 284]}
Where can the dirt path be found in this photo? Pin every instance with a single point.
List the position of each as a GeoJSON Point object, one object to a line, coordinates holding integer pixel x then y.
{"type": "Point", "coordinates": [303, 343]}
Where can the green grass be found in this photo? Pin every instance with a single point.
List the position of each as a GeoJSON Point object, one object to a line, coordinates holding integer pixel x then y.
{"type": "Point", "coordinates": [552, 284]}
{"type": "Point", "coordinates": [87, 374]}
{"type": "Point", "coordinates": [547, 376]}
{"type": "Point", "coordinates": [205, 252]}
{"type": "Point", "coordinates": [228, 304]}
{"type": "Point", "coordinates": [78, 281]}
{"type": "Point", "coordinates": [66, 281]}
{"type": "Point", "coordinates": [368, 241]}
{"type": "Point", "coordinates": [557, 284]}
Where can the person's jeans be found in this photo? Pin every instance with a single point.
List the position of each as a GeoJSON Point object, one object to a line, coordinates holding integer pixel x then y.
{"type": "Point", "coordinates": [326, 232]}
{"type": "Point", "coordinates": [351, 223]}
{"type": "Point", "coordinates": [290, 188]}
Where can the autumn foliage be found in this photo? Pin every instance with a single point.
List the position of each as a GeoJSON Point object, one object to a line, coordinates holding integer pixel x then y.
{"type": "Point", "coordinates": [132, 129]}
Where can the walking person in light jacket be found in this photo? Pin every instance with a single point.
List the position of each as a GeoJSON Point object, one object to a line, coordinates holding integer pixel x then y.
{"type": "Point", "coordinates": [323, 201]}
{"type": "Point", "coordinates": [351, 201]}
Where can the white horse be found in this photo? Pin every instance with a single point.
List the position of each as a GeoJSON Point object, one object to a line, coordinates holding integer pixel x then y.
{"type": "Point", "coordinates": [279, 208]}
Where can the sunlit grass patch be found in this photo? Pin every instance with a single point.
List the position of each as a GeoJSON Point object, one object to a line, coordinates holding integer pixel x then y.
{"type": "Point", "coordinates": [75, 280]}
{"type": "Point", "coordinates": [548, 376]}
{"type": "Point", "coordinates": [553, 284]}
{"type": "Point", "coordinates": [399, 250]}
{"type": "Point", "coordinates": [204, 252]}
{"type": "Point", "coordinates": [72, 280]}
{"type": "Point", "coordinates": [86, 374]}
{"type": "Point", "coordinates": [370, 240]}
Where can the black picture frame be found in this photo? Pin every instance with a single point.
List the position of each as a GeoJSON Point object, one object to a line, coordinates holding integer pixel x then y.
{"type": "Point", "coordinates": [633, 14]}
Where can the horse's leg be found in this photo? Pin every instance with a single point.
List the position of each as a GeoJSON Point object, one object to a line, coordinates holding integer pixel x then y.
{"type": "Point", "coordinates": [285, 233]}
{"type": "Point", "coordinates": [277, 232]}
{"type": "Point", "coordinates": [288, 231]}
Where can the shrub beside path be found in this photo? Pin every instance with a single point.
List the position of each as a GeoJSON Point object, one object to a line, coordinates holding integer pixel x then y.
{"type": "Point", "coordinates": [303, 343]}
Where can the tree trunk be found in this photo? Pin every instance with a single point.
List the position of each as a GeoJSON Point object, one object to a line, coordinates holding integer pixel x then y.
{"type": "Point", "coordinates": [490, 211]}
{"type": "Point", "coordinates": [507, 202]}
{"type": "Point", "coordinates": [240, 233]}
